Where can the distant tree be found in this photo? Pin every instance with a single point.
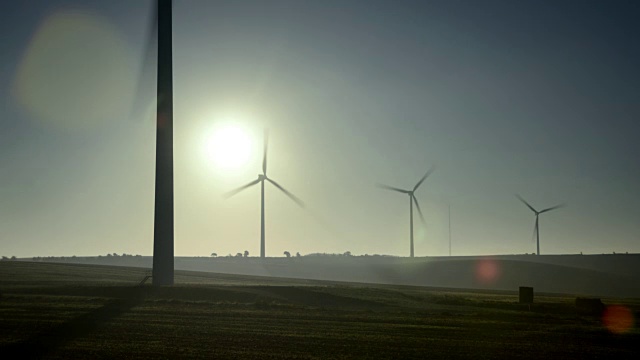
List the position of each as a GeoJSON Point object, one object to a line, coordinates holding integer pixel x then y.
{"type": "Point", "coordinates": [246, 253]}
{"type": "Point", "coordinates": [214, 255]}
{"type": "Point", "coordinates": [348, 253]}
{"type": "Point", "coordinates": [114, 254]}
{"type": "Point", "coordinates": [287, 254]}
{"type": "Point", "coordinates": [297, 254]}
{"type": "Point", "coordinates": [13, 258]}
{"type": "Point", "coordinates": [239, 255]}
{"type": "Point", "coordinates": [109, 255]}
{"type": "Point", "coordinates": [5, 258]}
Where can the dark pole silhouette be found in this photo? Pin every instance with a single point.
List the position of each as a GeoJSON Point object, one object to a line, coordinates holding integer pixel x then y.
{"type": "Point", "coordinates": [262, 243]}
{"type": "Point", "coordinates": [536, 228]}
{"type": "Point", "coordinates": [163, 214]}
{"type": "Point", "coordinates": [261, 179]}
{"type": "Point", "coordinates": [412, 200]}
{"type": "Point", "coordinates": [449, 229]}
{"type": "Point", "coordinates": [411, 223]}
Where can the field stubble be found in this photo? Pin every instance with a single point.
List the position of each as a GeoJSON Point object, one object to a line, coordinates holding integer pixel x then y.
{"type": "Point", "coordinates": [74, 311]}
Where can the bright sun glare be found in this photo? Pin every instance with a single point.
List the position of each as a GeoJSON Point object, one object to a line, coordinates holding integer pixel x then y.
{"type": "Point", "coordinates": [229, 147]}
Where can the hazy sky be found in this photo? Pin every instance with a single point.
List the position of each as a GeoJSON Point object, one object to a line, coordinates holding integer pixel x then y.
{"type": "Point", "coordinates": [540, 98]}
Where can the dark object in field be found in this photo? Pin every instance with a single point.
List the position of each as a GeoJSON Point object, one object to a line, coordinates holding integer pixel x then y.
{"type": "Point", "coordinates": [589, 306]}
{"type": "Point", "coordinates": [144, 280]}
{"type": "Point", "coordinates": [526, 295]}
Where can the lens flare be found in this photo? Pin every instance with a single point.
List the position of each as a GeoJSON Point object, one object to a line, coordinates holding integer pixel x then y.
{"type": "Point", "coordinates": [487, 271]}
{"type": "Point", "coordinates": [76, 72]}
{"type": "Point", "coordinates": [618, 319]}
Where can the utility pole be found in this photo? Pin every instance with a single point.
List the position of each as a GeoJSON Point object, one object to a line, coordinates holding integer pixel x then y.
{"type": "Point", "coordinates": [449, 229]}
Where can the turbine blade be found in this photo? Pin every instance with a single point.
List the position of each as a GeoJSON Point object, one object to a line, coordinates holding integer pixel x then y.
{"type": "Point", "coordinates": [264, 158]}
{"type": "Point", "coordinates": [553, 208]}
{"type": "Point", "coordinates": [387, 187]}
{"type": "Point", "coordinates": [526, 203]}
{"type": "Point", "coordinates": [233, 192]}
{"type": "Point", "coordinates": [415, 201]}
{"type": "Point", "coordinates": [423, 178]}
{"type": "Point", "coordinates": [142, 105]}
{"type": "Point", "coordinates": [290, 195]}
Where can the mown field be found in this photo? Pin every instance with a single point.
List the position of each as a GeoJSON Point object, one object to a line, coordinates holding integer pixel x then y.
{"type": "Point", "coordinates": [88, 311]}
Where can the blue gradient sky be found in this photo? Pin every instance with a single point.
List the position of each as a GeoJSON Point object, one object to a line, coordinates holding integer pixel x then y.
{"type": "Point", "coordinates": [539, 98]}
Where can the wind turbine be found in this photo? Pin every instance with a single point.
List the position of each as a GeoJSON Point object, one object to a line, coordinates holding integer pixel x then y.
{"type": "Point", "coordinates": [449, 229]}
{"type": "Point", "coordinates": [412, 199]}
{"type": "Point", "coordinates": [261, 179]}
{"type": "Point", "coordinates": [163, 225]}
{"type": "Point", "coordinates": [163, 229]}
{"type": "Point", "coordinates": [536, 228]}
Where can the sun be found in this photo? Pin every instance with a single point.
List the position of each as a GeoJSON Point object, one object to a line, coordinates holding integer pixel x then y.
{"type": "Point", "coordinates": [229, 147]}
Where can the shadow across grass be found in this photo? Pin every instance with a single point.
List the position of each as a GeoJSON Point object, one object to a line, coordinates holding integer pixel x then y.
{"type": "Point", "coordinates": [41, 344]}
{"type": "Point", "coordinates": [60, 311]}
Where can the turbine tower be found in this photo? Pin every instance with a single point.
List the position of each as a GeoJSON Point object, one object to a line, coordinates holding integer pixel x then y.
{"type": "Point", "coordinates": [449, 229]}
{"type": "Point", "coordinates": [412, 199]}
{"type": "Point", "coordinates": [261, 179]}
{"type": "Point", "coordinates": [536, 228]}
{"type": "Point", "coordinates": [163, 213]}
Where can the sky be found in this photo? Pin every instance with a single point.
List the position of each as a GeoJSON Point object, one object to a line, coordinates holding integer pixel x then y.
{"type": "Point", "coordinates": [537, 98]}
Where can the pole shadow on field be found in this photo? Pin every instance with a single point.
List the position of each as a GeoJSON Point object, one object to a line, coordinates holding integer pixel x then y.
{"type": "Point", "coordinates": [41, 344]}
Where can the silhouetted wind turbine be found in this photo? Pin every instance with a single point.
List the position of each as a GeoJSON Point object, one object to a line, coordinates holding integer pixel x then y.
{"type": "Point", "coordinates": [412, 199]}
{"type": "Point", "coordinates": [163, 229]}
{"type": "Point", "coordinates": [536, 228]}
{"type": "Point", "coordinates": [449, 229]}
{"type": "Point", "coordinates": [163, 225]}
{"type": "Point", "coordinates": [261, 179]}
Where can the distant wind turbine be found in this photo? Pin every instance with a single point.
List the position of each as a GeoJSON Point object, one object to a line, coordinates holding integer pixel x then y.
{"type": "Point", "coordinates": [449, 229]}
{"type": "Point", "coordinates": [536, 228]}
{"type": "Point", "coordinates": [261, 179]}
{"type": "Point", "coordinates": [412, 199]}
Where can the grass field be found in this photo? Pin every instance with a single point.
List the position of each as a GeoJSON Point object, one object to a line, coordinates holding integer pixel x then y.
{"type": "Point", "coordinates": [589, 275]}
{"type": "Point", "coordinates": [88, 311]}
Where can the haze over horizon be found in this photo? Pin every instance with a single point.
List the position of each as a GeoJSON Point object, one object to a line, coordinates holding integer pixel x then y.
{"type": "Point", "coordinates": [534, 98]}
